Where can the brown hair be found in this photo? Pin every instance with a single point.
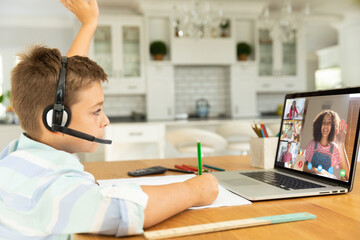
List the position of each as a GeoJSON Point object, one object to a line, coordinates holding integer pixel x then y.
{"type": "Point", "coordinates": [34, 81]}
{"type": "Point", "coordinates": [318, 123]}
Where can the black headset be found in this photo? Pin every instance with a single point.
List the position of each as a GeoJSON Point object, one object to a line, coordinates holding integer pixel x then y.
{"type": "Point", "coordinates": [57, 117]}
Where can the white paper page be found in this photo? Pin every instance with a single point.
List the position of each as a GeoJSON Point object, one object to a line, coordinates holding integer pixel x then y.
{"type": "Point", "coordinates": [225, 197]}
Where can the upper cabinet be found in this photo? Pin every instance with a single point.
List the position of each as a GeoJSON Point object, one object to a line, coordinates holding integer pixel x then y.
{"type": "Point", "coordinates": [119, 48]}
{"type": "Point", "coordinates": [281, 65]}
{"type": "Point", "coordinates": [201, 44]}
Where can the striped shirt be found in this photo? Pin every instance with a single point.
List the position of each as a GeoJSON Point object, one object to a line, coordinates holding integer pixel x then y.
{"type": "Point", "coordinates": [46, 194]}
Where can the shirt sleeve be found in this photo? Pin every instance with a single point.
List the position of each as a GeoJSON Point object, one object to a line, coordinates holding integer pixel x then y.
{"type": "Point", "coordinates": [116, 210]}
{"type": "Point", "coordinates": [70, 202]}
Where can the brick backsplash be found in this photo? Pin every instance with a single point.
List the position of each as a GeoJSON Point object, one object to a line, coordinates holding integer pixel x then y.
{"type": "Point", "coordinates": [123, 105]}
{"type": "Point", "coordinates": [191, 83]}
{"type": "Point", "coordinates": [209, 82]}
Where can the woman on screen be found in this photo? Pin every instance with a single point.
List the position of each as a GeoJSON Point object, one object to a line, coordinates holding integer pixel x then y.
{"type": "Point", "coordinates": [327, 149]}
{"type": "Point", "coordinates": [293, 112]}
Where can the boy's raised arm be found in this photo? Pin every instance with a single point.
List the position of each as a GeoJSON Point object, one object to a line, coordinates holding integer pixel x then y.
{"type": "Point", "coordinates": [87, 12]}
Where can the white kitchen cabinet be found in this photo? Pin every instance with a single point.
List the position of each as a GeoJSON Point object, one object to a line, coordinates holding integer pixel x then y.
{"type": "Point", "coordinates": [119, 48]}
{"type": "Point", "coordinates": [204, 51]}
{"type": "Point", "coordinates": [135, 141]}
{"type": "Point", "coordinates": [160, 91]}
{"type": "Point", "coordinates": [281, 65]}
{"type": "Point", "coordinates": [243, 89]}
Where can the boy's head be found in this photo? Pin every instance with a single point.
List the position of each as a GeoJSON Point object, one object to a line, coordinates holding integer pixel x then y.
{"type": "Point", "coordinates": [34, 81]}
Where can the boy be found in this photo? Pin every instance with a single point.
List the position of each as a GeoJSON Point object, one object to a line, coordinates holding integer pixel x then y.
{"type": "Point", "coordinates": [44, 192]}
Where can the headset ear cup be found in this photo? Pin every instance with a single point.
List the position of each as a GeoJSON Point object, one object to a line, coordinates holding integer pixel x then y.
{"type": "Point", "coordinates": [66, 117]}
{"type": "Point", "coordinates": [47, 117]}
{"type": "Point", "coordinates": [46, 121]}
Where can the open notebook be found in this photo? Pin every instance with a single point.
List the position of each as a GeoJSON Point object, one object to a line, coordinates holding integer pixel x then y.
{"type": "Point", "coordinates": [225, 197]}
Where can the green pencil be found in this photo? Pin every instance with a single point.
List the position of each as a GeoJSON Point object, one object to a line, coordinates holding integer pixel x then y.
{"type": "Point", "coordinates": [199, 157]}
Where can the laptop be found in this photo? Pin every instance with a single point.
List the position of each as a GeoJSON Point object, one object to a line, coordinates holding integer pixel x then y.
{"type": "Point", "coordinates": [316, 154]}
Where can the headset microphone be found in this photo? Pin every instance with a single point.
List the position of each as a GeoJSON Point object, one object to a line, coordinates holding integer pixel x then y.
{"type": "Point", "coordinates": [78, 134]}
{"type": "Point", "coordinates": [56, 117]}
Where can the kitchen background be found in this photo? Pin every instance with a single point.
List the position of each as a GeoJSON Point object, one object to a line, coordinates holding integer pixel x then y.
{"type": "Point", "coordinates": [201, 61]}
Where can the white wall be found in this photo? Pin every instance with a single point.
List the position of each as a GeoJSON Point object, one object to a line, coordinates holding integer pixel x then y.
{"type": "Point", "coordinates": [318, 35]}
{"type": "Point", "coordinates": [19, 38]}
{"type": "Point", "coordinates": [349, 44]}
{"type": "Point", "coordinates": [24, 23]}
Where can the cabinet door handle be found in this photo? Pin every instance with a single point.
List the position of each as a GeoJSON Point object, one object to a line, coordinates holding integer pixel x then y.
{"type": "Point", "coordinates": [169, 111]}
{"type": "Point", "coordinates": [289, 85]}
{"type": "Point", "coordinates": [135, 134]}
{"type": "Point", "coordinates": [132, 87]}
{"type": "Point", "coordinates": [266, 85]}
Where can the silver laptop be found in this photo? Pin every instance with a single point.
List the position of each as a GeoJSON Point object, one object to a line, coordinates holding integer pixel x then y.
{"type": "Point", "coordinates": [316, 153]}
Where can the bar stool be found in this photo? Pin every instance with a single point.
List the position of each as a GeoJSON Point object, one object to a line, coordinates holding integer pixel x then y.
{"type": "Point", "coordinates": [238, 136]}
{"type": "Point", "coordinates": [185, 140]}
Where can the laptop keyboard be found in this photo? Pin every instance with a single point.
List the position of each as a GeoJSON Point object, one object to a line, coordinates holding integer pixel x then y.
{"type": "Point", "coordinates": [282, 181]}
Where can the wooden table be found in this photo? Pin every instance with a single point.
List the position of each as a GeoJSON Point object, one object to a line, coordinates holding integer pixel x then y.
{"type": "Point", "coordinates": [338, 216]}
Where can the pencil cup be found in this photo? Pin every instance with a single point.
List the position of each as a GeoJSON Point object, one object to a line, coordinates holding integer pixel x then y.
{"type": "Point", "coordinates": [263, 151]}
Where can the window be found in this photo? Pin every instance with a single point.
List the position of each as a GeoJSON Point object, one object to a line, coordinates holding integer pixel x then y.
{"type": "Point", "coordinates": [328, 78]}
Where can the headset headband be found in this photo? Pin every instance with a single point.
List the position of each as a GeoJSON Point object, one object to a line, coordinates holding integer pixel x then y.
{"type": "Point", "coordinates": [59, 104]}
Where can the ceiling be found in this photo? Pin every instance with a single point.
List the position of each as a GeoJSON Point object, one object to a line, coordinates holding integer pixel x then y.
{"type": "Point", "coordinates": [55, 8]}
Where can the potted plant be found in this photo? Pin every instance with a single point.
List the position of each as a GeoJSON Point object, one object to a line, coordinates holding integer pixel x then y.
{"type": "Point", "coordinates": [158, 49]}
{"type": "Point", "coordinates": [243, 51]}
{"type": "Point", "coordinates": [4, 110]}
{"type": "Point", "coordinates": [4, 96]}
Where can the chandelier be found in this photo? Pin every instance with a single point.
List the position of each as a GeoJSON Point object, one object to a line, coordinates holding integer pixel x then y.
{"type": "Point", "coordinates": [196, 19]}
{"type": "Point", "coordinates": [283, 25]}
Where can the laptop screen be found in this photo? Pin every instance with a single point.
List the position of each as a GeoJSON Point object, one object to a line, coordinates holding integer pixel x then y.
{"type": "Point", "coordinates": [319, 133]}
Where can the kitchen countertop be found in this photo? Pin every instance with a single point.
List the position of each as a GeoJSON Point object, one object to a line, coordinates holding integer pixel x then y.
{"type": "Point", "coordinates": [193, 121]}
{"type": "Point", "coordinates": [209, 120]}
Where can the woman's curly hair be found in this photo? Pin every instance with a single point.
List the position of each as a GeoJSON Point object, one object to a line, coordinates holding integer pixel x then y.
{"type": "Point", "coordinates": [318, 123]}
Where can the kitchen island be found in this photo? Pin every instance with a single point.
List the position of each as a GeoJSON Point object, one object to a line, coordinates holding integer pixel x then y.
{"type": "Point", "coordinates": [141, 139]}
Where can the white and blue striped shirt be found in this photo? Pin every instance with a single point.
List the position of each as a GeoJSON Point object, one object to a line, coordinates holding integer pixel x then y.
{"type": "Point", "coordinates": [46, 194]}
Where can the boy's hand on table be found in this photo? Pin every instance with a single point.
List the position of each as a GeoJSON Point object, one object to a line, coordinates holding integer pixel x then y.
{"type": "Point", "coordinates": [204, 189]}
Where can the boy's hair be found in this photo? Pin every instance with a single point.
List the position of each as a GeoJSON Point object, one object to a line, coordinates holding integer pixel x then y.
{"type": "Point", "coordinates": [35, 78]}
{"type": "Point", "coordinates": [318, 123]}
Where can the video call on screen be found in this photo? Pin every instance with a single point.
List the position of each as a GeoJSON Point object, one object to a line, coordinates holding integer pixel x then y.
{"type": "Point", "coordinates": [317, 135]}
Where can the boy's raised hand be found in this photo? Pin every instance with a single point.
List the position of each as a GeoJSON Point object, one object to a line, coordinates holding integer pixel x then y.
{"type": "Point", "coordinates": [87, 12]}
